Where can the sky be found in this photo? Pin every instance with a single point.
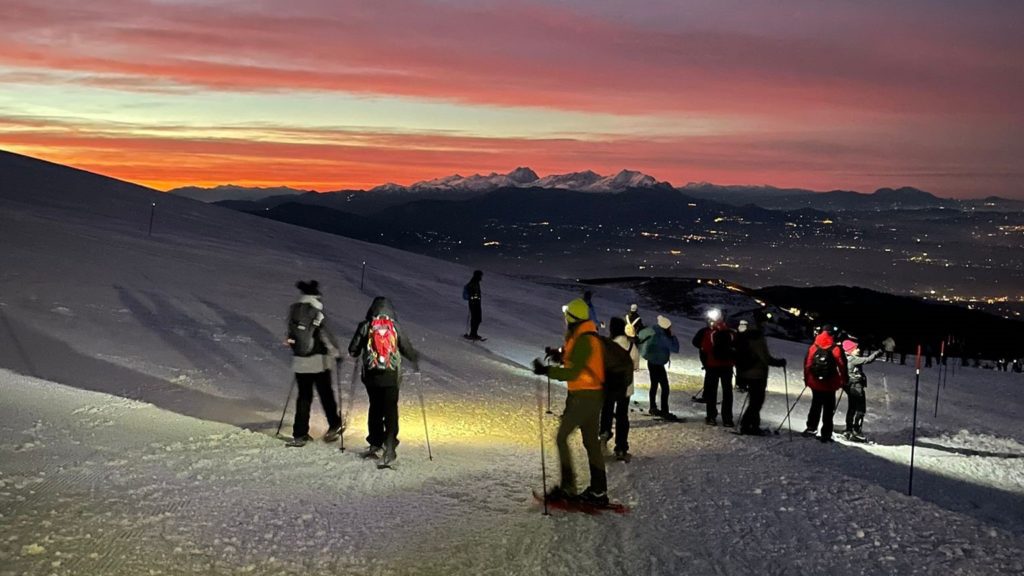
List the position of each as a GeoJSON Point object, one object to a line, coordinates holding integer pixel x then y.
{"type": "Point", "coordinates": [339, 94]}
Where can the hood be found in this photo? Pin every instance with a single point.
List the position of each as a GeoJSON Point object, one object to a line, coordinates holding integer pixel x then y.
{"type": "Point", "coordinates": [824, 340]}
{"type": "Point", "coordinates": [381, 305]}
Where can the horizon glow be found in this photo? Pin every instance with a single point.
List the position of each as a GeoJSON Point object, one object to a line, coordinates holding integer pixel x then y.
{"type": "Point", "coordinates": [349, 95]}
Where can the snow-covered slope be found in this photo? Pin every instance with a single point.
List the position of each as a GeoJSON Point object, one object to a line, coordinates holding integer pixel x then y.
{"type": "Point", "coordinates": [186, 477]}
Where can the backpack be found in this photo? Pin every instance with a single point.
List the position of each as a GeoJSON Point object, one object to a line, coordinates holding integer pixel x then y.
{"type": "Point", "coordinates": [823, 363]}
{"type": "Point", "coordinates": [744, 352]}
{"type": "Point", "coordinates": [382, 345]}
{"type": "Point", "coordinates": [304, 328]}
{"type": "Point", "coordinates": [465, 292]}
{"type": "Point", "coordinates": [722, 345]}
{"type": "Point", "coordinates": [618, 366]}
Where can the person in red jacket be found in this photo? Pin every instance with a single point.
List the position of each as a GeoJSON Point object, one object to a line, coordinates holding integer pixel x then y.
{"type": "Point", "coordinates": [825, 372]}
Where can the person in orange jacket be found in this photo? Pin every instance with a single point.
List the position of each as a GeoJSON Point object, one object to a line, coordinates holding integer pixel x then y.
{"type": "Point", "coordinates": [582, 367]}
{"type": "Point", "coordinates": [825, 372]}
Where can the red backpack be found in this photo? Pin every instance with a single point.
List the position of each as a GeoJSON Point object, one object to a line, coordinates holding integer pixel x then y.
{"type": "Point", "coordinates": [382, 345]}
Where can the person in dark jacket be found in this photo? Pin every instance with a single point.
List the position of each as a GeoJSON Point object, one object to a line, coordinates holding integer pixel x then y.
{"type": "Point", "coordinates": [471, 292]}
{"type": "Point", "coordinates": [617, 408]}
{"type": "Point", "coordinates": [752, 362]}
{"type": "Point", "coordinates": [314, 370]}
{"type": "Point", "coordinates": [657, 344]}
{"type": "Point", "coordinates": [717, 346]}
{"type": "Point", "coordinates": [823, 390]}
{"type": "Point", "coordinates": [582, 368]}
{"type": "Point", "coordinates": [856, 403]}
{"type": "Point", "coordinates": [634, 324]}
{"type": "Point", "coordinates": [381, 343]}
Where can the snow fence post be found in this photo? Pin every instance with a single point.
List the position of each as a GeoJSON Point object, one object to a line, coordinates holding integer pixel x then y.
{"type": "Point", "coordinates": [913, 437]}
{"type": "Point", "coordinates": [152, 214]}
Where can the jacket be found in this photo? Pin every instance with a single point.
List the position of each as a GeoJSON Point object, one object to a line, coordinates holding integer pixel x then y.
{"type": "Point", "coordinates": [359, 347]}
{"type": "Point", "coordinates": [627, 345]}
{"type": "Point", "coordinates": [326, 348]}
{"type": "Point", "coordinates": [833, 382]}
{"type": "Point", "coordinates": [471, 291]}
{"type": "Point", "coordinates": [583, 365]}
{"type": "Point", "coordinates": [657, 345]}
{"type": "Point", "coordinates": [855, 367]}
{"type": "Point", "coordinates": [752, 356]}
{"type": "Point", "coordinates": [719, 335]}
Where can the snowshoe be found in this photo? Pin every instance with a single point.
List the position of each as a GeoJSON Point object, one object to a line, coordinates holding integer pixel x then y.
{"type": "Point", "coordinates": [333, 433]}
{"type": "Point", "coordinates": [389, 458]}
{"type": "Point", "coordinates": [575, 504]}
{"type": "Point", "coordinates": [298, 442]}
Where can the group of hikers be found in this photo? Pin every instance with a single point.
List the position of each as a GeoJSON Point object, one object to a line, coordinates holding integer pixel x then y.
{"type": "Point", "coordinates": [598, 370]}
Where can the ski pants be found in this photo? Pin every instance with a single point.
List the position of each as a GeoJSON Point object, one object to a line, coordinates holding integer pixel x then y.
{"type": "Point", "coordinates": [659, 377]}
{"type": "Point", "coordinates": [750, 421]}
{"type": "Point", "coordinates": [583, 411]}
{"type": "Point", "coordinates": [856, 406]}
{"type": "Point", "coordinates": [306, 382]}
{"type": "Point", "coordinates": [712, 378]}
{"type": "Point", "coordinates": [617, 408]}
{"type": "Point", "coordinates": [476, 316]}
{"type": "Point", "coordinates": [382, 421]}
{"type": "Point", "coordinates": [888, 356]}
{"type": "Point", "coordinates": [822, 402]}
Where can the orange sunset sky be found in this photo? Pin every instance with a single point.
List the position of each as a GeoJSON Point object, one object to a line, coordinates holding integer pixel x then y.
{"type": "Point", "coordinates": [822, 94]}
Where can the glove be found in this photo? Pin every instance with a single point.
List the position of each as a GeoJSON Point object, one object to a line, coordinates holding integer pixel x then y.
{"type": "Point", "coordinates": [782, 362]}
{"type": "Point", "coordinates": [540, 367]}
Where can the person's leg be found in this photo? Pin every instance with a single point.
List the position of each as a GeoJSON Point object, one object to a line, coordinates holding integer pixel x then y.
{"type": "Point", "coordinates": [654, 371]}
{"type": "Point", "coordinates": [566, 426]}
{"type": "Point", "coordinates": [375, 417]}
{"type": "Point", "coordinates": [590, 415]}
{"type": "Point", "coordinates": [851, 402]}
{"type": "Point", "coordinates": [325, 390]}
{"type": "Point", "coordinates": [710, 394]}
{"type": "Point", "coordinates": [750, 420]}
{"type": "Point", "coordinates": [389, 396]}
{"type": "Point", "coordinates": [476, 317]}
{"type": "Point", "coordinates": [725, 376]}
{"type": "Point", "coordinates": [814, 415]}
{"type": "Point", "coordinates": [828, 407]}
{"type": "Point", "coordinates": [859, 407]}
{"type": "Point", "coordinates": [304, 382]}
{"type": "Point", "coordinates": [622, 424]}
{"type": "Point", "coordinates": [607, 413]}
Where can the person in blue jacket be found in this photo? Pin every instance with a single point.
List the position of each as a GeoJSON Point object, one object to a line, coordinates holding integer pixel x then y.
{"type": "Point", "coordinates": [657, 344]}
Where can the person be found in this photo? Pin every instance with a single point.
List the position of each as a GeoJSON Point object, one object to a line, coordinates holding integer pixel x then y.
{"type": "Point", "coordinates": [657, 343]}
{"type": "Point", "coordinates": [856, 400]}
{"type": "Point", "coordinates": [471, 293]}
{"type": "Point", "coordinates": [741, 384]}
{"type": "Point", "coordinates": [582, 367]}
{"type": "Point", "coordinates": [752, 362]}
{"type": "Point", "coordinates": [825, 372]}
{"type": "Point", "coordinates": [717, 346]}
{"type": "Point", "coordinates": [634, 324]}
{"type": "Point", "coordinates": [381, 343]}
{"type": "Point", "coordinates": [617, 407]}
{"type": "Point", "coordinates": [889, 345]}
{"type": "Point", "coordinates": [314, 354]}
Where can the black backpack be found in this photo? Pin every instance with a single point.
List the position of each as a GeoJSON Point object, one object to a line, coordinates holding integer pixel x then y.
{"type": "Point", "coordinates": [618, 366]}
{"type": "Point", "coordinates": [722, 345]}
{"type": "Point", "coordinates": [304, 328]}
{"type": "Point", "coordinates": [823, 363]}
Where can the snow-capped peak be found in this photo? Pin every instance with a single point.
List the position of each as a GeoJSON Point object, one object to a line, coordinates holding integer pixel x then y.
{"type": "Point", "coordinates": [523, 177]}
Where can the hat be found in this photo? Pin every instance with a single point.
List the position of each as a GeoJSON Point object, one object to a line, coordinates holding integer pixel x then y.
{"type": "Point", "coordinates": [665, 323]}
{"type": "Point", "coordinates": [633, 308]}
{"type": "Point", "coordinates": [311, 288]}
{"type": "Point", "coordinates": [849, 346]}
{"type": "Point", "coordinates": [576, 311]}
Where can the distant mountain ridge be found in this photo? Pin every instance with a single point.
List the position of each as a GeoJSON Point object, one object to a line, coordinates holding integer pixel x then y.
{"type": "Point", "coordinates": [233, 192]}
{"type": "Point", "coordinates": [523, 177]}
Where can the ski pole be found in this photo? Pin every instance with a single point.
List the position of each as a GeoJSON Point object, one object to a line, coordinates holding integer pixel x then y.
{"type": "Point", "coordinates": [938, 385]}
{"type": "Point", "coordinates": [797, 401]}
{"type": "Point", "coordinates": [543, 464]}
{"type": "Point", "coordinates": [785, 381]}
{"type": "Point", "coordinates": [341, 403]}
{"type": "Point", "coordinates": [549, 396]}
{"type": "Point", "coordinates": [913, 437]}
{"type": "Point", "coordinates": [744, 406]}
{"type": "Point", "coordinates": [287, 401]}
{"type": "Point", "coordinates": [423, 407]}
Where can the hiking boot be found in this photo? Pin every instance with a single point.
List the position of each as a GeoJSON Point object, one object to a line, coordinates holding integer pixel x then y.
{"type": "Point", "coordinates": [669, 416]}
{"type": "Point", "coordinates": [826, 439]}
{"type": "Point", "coordinates": [623, 456]}
{"type": "Point", "coordinates": [728, 423]}
{"type": "Point", "coordinates": [371, 453]}
{"type": "Point", "coordinates": [557, 494]}
{"type": "Point", "coordinates": [711, 421]}
{"type": "Point", "coordinates": [604, 437]}
{"type": "Point", "coordinates": [856, 436]}
{"type": "Point", "coordinates": [809, 433]}
{"type": "Point", "coordinates": [589, 496]}
{"type": "Point", "coordinates": [333, 433]}
{"type": "Point", "coordinates": [654, 411]}
{"type": "Point", "coordinates": [298, 441]}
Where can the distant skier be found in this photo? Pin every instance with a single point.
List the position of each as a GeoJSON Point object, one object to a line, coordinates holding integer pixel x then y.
{"type": "Point", "coordinates": [657, 344]}
{"type": "Point", "coordinates": [717, 346]}
{"type": "Point", "coordinates": [889, 345]}
{"type": "Point", "coordinates": [471, 293]}
{"type": "Point", "coordinates": [617, 406]}
{"type": "Point", "coordinates": [825, 372]}
{"type": "Point", "coordinates": [381, 343]}
{"type": "Point", "coordinates": [752, 362]}
{"type": "Point", "coordinates": [634, 324]}
{"type": "Point", "coordinates": [583, 368]}
{"type": "Point", "coordinates": [314, 354]}
{"type": "Point", "coordinates": [856, 404]}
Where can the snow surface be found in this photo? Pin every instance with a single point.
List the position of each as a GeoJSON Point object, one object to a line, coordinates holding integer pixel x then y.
{"type": "Point", "coordinates": [143, 378]}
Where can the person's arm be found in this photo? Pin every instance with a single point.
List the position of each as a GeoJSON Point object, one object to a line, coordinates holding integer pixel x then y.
{"type": "Point", "coordinates": [576, 363]}
{"type": "Point", "coordinates": [673, 345]}
{"type": "Point", "coordinates": [698, 338]}
{"type": "Point", "coordinates": [327, 337]}
{"type": "Point", "coordinates": [405, 349]}
{"type": "Point", "coordinates": [358, 343]}
{"type": "Point", "coordinates": [844, 369]}
{"type": "Point", "coordinates": [873, 356]}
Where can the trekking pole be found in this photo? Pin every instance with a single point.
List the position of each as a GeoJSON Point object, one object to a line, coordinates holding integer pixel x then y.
{"type": "Point", "coordinates": [797, 401]}
{"type": "Point", "coordinates": [938, 385]}
{"type": "Point", "coordinates": [341, 403]}
{"type": "Point", "coordinates": [549, 396]}
{"type": "Point", "coordinates": [913, 437]}
{"type": "Point", "coordinates": [743, 407]}
{"type": "Point", "coordinates": [362, 277]}
{"type": "Point", "coordinates": [785, 381]}
{"type": "Point", "coordinates": [287, 401]}
{"type": "Point", "coordinates": [423, 407]}
{"type": "Point", "coordinates": [543, 464]}
{"type": "Point", "coordinates": [152, 214]}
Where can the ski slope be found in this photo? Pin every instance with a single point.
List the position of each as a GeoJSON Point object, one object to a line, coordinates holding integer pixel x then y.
{"type": "Point", "coordinates": [142, 377]}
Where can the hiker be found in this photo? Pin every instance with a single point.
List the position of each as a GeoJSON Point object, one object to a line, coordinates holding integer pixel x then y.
{"type": "Point", "coordinates": [741, 384]}
{"type": "Point", "coordinates": [314, 354]}
{"type": "Point", "coordinates": [889, 345]}
{"type": "Point", "coordinates": [634, 324]}
{"type": "Point", "coordinates": [471, 293]}
{"type": "Point", "coordinates": [617, 405]}
{"type": "Point", "coordinates": [381, 343]}
{"type": "Point", "coordinates": [717, 346]}
{"type": "Point", "coordinates": [657, 343]}
{"type": "Point", "coordinates": [825, 372]}
{"type": "Point", "coordinates": [856, 401]}
{"type": "Point", "coordinates": [583, 369]}
{"type": "Point", "coordinates": [752, 362]}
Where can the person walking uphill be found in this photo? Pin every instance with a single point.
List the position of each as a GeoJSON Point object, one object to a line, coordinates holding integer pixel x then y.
{"type": "Point", "coordinates": [583, 369]}
{"type": "Point", "coordinates": [314, 354]}
{"type": "Point", "coordinates": [381, 343]}
{"type": "Point", "coordinates": [825, 372]}
{"type": "Point", "coordinates": [856, 403]}
{"type": "Point", "coordinates": [657, 344]}
{"type": "Point", "coordinates": [471, 293]}
{"type": "Point", "coordinates": [752, 362]}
